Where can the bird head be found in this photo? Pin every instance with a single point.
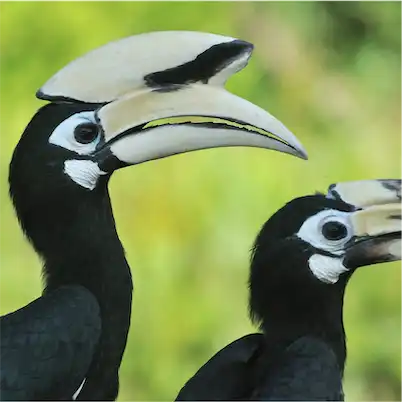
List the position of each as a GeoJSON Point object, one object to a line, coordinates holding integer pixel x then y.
{"type": "Point", "coordinates": [306, 252]}
{"type": "Point", "coordinates": [135, 100]}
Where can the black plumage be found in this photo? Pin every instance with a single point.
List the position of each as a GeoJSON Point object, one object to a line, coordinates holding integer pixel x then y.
{"type": "Point", "coordinates": [301, 352]}
{"type": "Point", "coordinates": [73, 231]}
{"type": "Point", "coordinates": [248, 369]}
{"type": "Point", "coordinates": [48, 345]}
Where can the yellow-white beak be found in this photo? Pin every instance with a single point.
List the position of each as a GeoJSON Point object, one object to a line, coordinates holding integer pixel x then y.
{"type": "Point", "coordinates": [162, 93]}
{"type": "Point", "coordinates": [376, 221]}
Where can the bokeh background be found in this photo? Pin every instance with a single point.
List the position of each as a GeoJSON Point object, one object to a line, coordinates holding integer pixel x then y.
{"type": "Point", "coordinates": [329, 70]}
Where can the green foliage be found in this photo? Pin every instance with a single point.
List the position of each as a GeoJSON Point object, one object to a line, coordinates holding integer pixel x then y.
{"type": "Point", "coordinates": [330, 71]}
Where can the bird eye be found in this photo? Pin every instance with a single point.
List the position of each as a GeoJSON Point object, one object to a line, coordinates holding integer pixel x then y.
{"type": "Point", "coordinates": [334, 230]}
{"type": "Point", "coordinates": [86, 133]}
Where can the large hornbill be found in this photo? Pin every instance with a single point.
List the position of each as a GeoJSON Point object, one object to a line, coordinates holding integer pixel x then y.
{"type": "Point", "coordinates": [301, 263]}
{"type": "Point", "coordinates": [134, 100]}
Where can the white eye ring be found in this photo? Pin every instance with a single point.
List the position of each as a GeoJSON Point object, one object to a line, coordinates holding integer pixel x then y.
{"type": "Point", "coordinates": [63, 135]}
{"type": "Point", "coordinates": [311, 230]}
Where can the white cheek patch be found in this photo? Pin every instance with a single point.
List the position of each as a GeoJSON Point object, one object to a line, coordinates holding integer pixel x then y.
{"type": "Point", "coordinates": [326, 269]}
{"type": "Point", "coordinates": [84, 172]}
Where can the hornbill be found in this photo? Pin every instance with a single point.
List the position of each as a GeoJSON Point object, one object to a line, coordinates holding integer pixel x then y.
{"type": "Point", "coordinates": [134, 100]}
{"type": "Point", "coordinates": [301, 263]}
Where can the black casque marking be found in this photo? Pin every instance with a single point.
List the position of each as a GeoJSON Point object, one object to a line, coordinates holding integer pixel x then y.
{"type": "Point", "coordinates": [168, 88]}
{"type": "Point", "coordinates": [65, 99]}
{"type": "Point", "coordinates": [332, 193]}
{"type": "Point", "coordinates": [56, 98]}
{"type": "Point", "coordinates": [393, 185]}
{"type": "Point", "coordinates": [202, 68]}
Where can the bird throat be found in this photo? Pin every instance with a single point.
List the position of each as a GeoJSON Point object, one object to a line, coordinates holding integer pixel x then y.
{"type": "Point", "coordinates": [285, 323]}
{"type": "Point", "coordinates": [79, 245]}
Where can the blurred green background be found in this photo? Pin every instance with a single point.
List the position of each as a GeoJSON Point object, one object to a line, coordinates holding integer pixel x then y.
{"type": "Point", "coordinates": [329, 70]}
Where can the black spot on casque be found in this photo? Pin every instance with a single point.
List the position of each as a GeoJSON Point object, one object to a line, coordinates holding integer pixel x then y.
{"type": "Point", "coordinates": [202, 68]}
{"type": "Point", "coordinates": [64, 99]}
{"type": "Point", "coordinates": [168, 88]}
{"type": "Point", "coordinates": [332, 193]}
{"type": "Point", "coordinates": [41, 95]}
{"type": "Point", "coordinates": [393, 185]}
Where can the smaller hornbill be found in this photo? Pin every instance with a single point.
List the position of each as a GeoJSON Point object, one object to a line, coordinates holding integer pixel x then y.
{"type": "Point", "coordinates": [131, 101]}
{"type": "Point", "coordinates": [301, 263]}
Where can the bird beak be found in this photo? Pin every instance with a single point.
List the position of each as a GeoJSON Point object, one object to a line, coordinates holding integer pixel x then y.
{"type": "Point", "coordinates": [161, 94]}
{"type": "Point", "coordinates": [193, 117]}
{"type": "Point", "coordinates": [376, 222]}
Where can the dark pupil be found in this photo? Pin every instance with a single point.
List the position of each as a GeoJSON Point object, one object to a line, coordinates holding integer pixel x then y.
{"type": "Point", "coordinates": [86, 133]}
{"type": "Point", "coordinates": [334, 230]}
